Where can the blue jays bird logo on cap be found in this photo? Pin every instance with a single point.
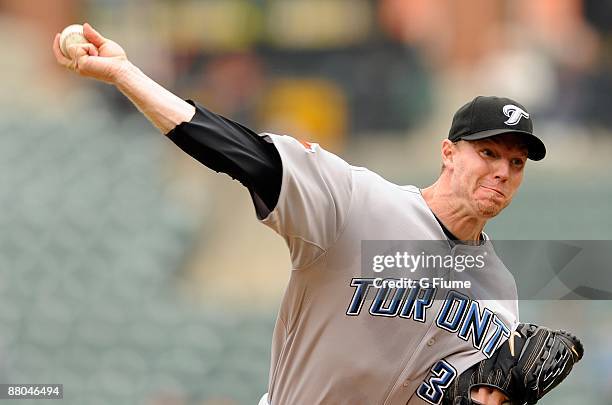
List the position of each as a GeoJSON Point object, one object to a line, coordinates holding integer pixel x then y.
{"type": "Point", "coordinates": [514, 114]}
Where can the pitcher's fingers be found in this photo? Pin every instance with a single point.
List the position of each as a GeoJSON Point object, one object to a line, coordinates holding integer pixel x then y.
{"type": "Point", "coordinates": [91, 50]}
{"type": "Point", "coordinates": [92, 35]}
{"type": "Point", "coordinates": [78, 50]}
{"type": "Point", "coordinates": [498, 397]}
{"type": "Point", "coordinates": [59, 56]}
{"type": "Point", "coordinates": [487, 396]}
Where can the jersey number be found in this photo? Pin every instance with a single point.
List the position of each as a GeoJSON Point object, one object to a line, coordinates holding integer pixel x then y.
{"type": "Point", "coordinates": [432, 389]}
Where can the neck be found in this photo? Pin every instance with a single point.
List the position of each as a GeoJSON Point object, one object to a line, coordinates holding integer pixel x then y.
{"type": "Point", "coordinates": [455, 215]}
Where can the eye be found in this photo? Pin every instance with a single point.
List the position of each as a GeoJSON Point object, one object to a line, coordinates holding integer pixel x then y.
{"type": "Point", "coordinates": [487, 153]}
{"type": "Point", "coordinates": [518, 163]}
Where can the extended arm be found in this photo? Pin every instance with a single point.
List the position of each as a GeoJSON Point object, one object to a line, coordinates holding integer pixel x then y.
{"type": "Point", "coordinates": [106, 61]}
{"type": "Point", "coordinates": [217, 142]}
{"type": "Point", "coordinates": [164, 109]}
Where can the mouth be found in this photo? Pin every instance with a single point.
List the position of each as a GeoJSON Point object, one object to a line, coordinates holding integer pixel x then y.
{"type": "Point", "coordinates": [494, 189]}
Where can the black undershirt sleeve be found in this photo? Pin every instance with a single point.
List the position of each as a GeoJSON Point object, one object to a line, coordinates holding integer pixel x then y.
{"type": "Point", "coordinates": [229, 147]}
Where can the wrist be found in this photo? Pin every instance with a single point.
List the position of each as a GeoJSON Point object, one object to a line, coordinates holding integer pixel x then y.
{"type": "Point", "coordinates": [125, 74]}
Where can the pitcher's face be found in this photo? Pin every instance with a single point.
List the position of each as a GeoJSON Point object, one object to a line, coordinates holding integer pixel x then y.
{"type": "Point", "coordinates": [486, 173]}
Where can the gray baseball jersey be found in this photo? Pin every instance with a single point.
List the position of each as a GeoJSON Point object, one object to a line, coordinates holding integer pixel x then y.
{"type": "Point", "coordinates": [334, 342]}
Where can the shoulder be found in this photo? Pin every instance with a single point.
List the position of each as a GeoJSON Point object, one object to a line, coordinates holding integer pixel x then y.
{"type": "Point", "coordinates": [370, 178]}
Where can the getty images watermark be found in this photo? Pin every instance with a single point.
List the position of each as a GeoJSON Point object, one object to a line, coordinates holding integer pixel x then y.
{"type": "Point", "coordinates": [425, 263]}
{"type": "Point", "coordinates": [495, 270]}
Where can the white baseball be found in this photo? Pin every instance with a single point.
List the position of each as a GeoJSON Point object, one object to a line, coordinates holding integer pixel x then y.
{"type": "Point", "coordinates": [72, 34]}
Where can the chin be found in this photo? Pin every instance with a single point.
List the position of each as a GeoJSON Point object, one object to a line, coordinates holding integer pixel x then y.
{"type": "Point", "coordinates": [489, 212]}
{"type": "Point", "coordinates": [489, 209]}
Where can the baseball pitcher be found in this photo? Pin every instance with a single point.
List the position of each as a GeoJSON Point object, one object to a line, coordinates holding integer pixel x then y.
{"type": "Point", "coordinates": [341, 336]}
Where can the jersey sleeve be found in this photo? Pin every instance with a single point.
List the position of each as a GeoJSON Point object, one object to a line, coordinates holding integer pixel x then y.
{"type": "Point", "coordinates": [314, 200]}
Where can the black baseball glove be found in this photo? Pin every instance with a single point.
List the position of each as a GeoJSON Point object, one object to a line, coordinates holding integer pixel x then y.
{"type": "Point", "coordinates": [533, 361]}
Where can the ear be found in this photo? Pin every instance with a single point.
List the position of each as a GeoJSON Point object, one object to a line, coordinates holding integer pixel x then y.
{"type": "Point", "coordinates": [448, 152]}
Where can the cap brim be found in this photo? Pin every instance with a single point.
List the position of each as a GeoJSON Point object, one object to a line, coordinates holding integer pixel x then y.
{"type": "Point", "coordinates": [535, 147]}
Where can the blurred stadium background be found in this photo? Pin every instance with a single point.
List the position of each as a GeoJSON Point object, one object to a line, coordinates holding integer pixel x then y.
{"type": "Point", "coordinates": [133, 275]}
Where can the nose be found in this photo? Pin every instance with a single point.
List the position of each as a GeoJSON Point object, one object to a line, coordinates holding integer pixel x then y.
{"type": "Point", "coordinates": [502, 170]}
